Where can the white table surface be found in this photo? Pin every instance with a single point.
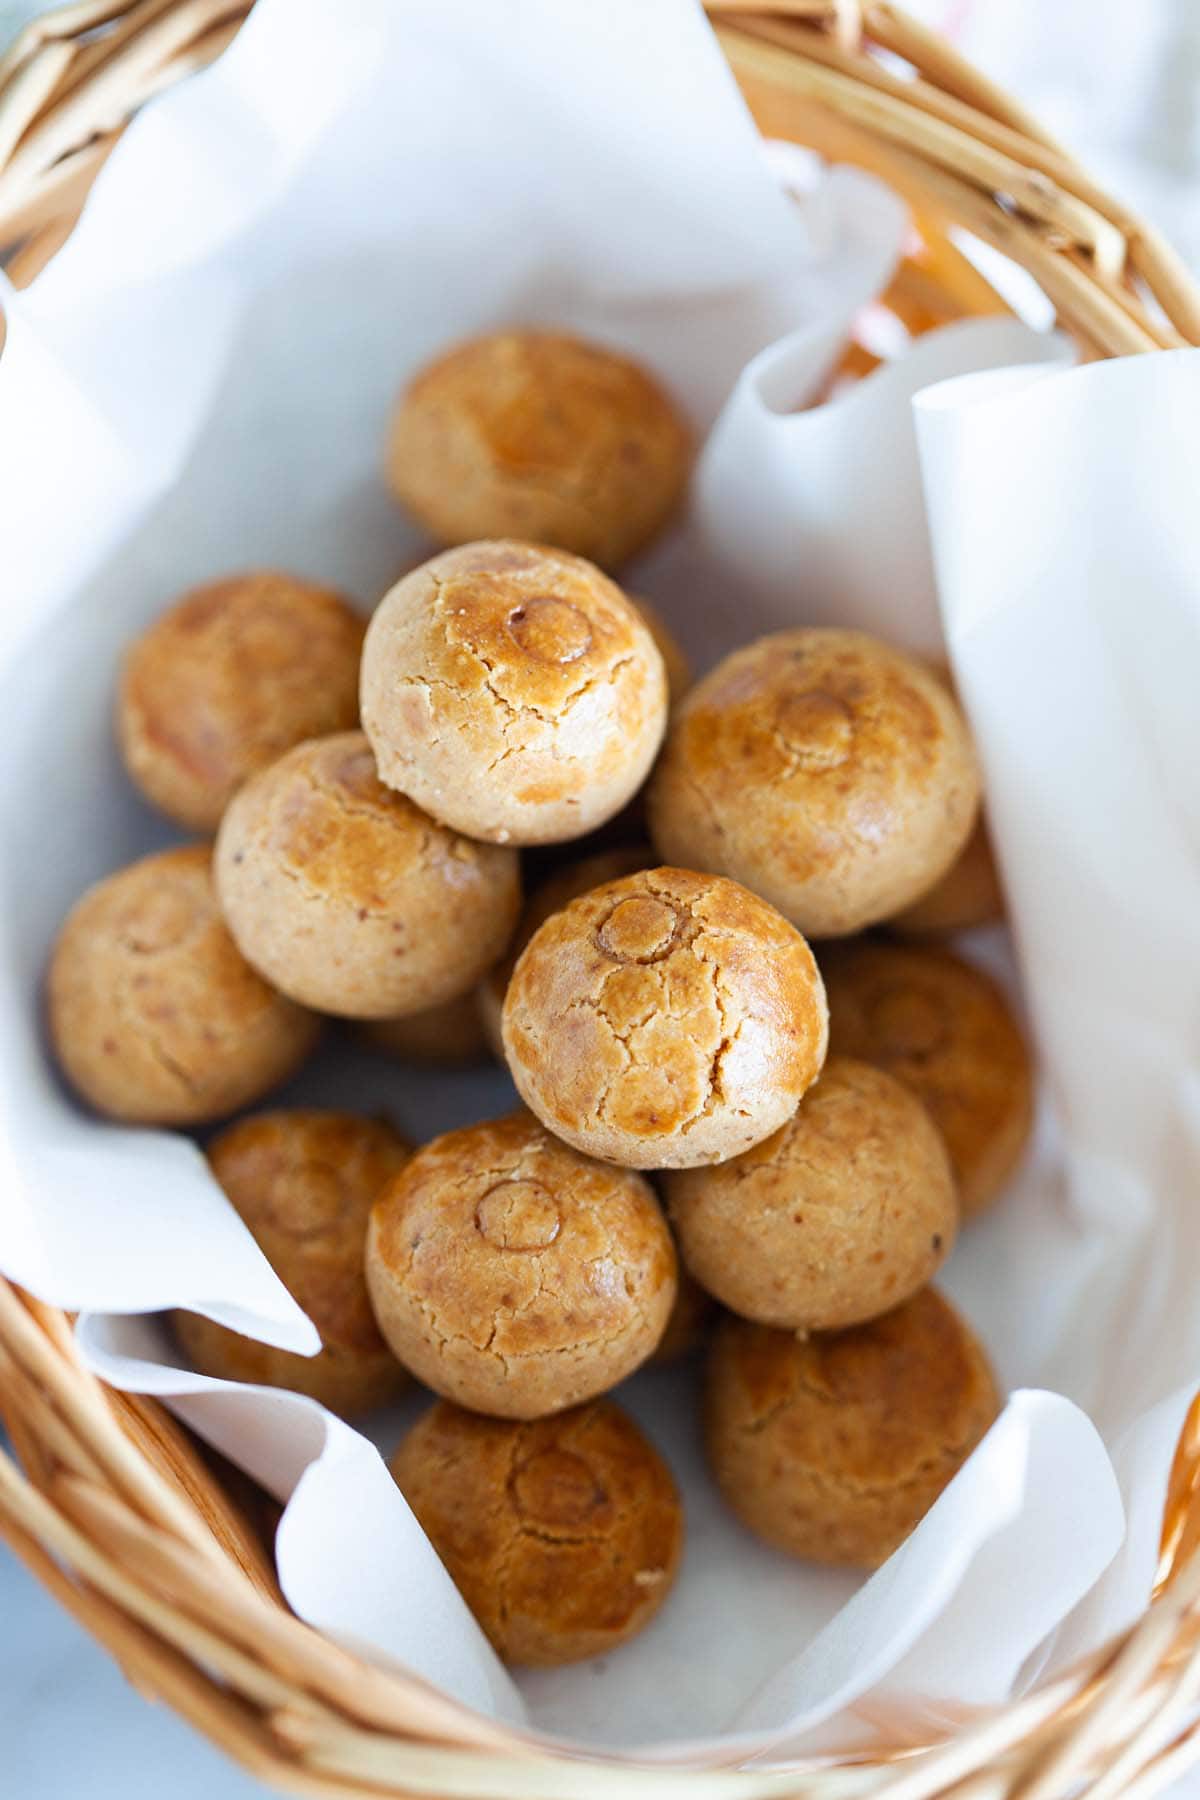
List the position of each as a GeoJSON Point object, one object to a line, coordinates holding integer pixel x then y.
{"type": "Point", "coordinates": [1129, 103]}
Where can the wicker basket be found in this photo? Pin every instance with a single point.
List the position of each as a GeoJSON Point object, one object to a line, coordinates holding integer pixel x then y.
{"type": "Point", "coordinates": [115, 1509]}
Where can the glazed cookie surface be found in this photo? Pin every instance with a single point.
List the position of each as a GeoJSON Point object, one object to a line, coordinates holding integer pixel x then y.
{"type": "Point", "coordinates": [515, 1276]}
{"type": "Point", "coordinates": [845, 1212]}
{"type": "Point", "coordinates": [303, 1182]}
{"type": "Point", "coordinates": [665, 1020]}
{"type": "Point", "coordinates": [229, 678]}
{"type": "Point", "coordinates": [563, 1535]}
{"type": "Point", "coordinates": [348, 896]}
{"type": "Point", "coordinates": [513, 692]}
{"type": "Point", "coordinates": [155, 1016]}
{"type": "Point", "coordinates": [945, 1030]}
{"type": "Point", "coordinates": [834, 1447]}
{"type": "Point", "coordinates": [831, 773]}
{"type": "Point", "coordinates": [535, 434]}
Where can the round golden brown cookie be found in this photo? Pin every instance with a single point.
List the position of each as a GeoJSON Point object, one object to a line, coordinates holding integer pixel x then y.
{"type": "Point", "coordinates": [450, 1035]}
{"type": "Point", "coordinates": [831, 773]}
{"type": "Point", "coordinates": [534, 434]}
{"type": "Point", "coordinates": [945, 1030]}
{"type": "Point", "coordinates": [513, 692]}
{"type": "Point", "coordinates": [155, 1017]}
{"type": "Point", "coordinates": [350, 898]}
{"type": "Point", "coordinates": [665, 1020]}
{"type": "Point", "coordinates": [846, 1211]}
{"type": "Point", "coordinates": [515, 1276]}
{"type": "Point", "coordinates": [229, 678]}
{"type": "Point", "coordinates": [557, 891]}
{"type": "Point", "coordinates": [562, 1535]}
{"type": "Point", "coordinates": [834, 1447]}
{"type": "Point", "coordinates": [969, 894]}
{"type": "Point", "coordinates": [303, 1182]}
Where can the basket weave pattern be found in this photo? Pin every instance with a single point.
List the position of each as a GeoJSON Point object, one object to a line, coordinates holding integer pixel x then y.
{"type": "Point", "coordinates": [112, 1506]}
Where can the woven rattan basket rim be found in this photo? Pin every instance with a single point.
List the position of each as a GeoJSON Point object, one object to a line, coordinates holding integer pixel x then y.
{"type": "Point", "coordinates": [112, 1506]}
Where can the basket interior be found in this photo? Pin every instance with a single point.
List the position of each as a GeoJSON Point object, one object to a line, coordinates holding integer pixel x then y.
{"type": "Point", "coordinates": [119, 1512]}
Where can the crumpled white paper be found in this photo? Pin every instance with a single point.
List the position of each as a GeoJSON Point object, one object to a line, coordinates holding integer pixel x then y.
{"type": "Point", "coordinates": [200, 382]}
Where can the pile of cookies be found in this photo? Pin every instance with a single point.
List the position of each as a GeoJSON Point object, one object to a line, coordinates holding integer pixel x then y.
{"type": "Point", "coordinates": [726, 1142]}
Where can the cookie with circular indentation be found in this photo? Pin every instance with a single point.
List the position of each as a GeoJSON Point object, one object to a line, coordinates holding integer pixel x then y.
{"type": "Point", "coordinates": [554, 893]}
{"type": "Point", "coordinates": [562, 1535]}
{"type": "Point", "coordinates": [350, 898]}
{"type": "Point", "coordinates": [513, 692]}
{"type": "Point", "coordinates": [303, 1182]}
{"type": "Point", "coordinates": [842, 1214]}
{"type": "Point", "coordinates": [944, 1029]}
{"type": "Point", "coordinates": [534, 434]}
{"type": "Point", "coordinates": [450, 1036]}
{"type": "Point", "coordinates": [834, 1447]}
{"type": "Point", "coordinates": [155, 1017]}
{"type": "Point", "coordinates": [229, 678]}
{"type": "Point", "coordinates": [832, 774]}
{"type": "Point", "coordinates": [514, 1275]}
{"type": "Point", "coordinates": [665, 1020]}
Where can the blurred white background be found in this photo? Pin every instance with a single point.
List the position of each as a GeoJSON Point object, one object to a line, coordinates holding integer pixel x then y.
{"type": "Point", "coordinates": [1120, 84]}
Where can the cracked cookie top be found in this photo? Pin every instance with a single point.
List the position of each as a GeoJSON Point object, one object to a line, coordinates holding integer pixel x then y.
{"type": "Point", "coordinates": [830, 772]}
{"type": "Point", "coordinates": [844, 1213]}
{"type": "Point", "coordinates": [350, 898]}
{"type": "Point", "coordinates": [512, 691]}
{"type": "Point", "coordinates": [535, 434]}
{"type": "Point", "coordinates": [228, 679]}
{"type": "Point", "coordinates": [562, 1535]}
{"type": "Point", "coordinates": [514, 1275]}
{"type": "Point", "coordinates": [665, 1020]}
{"type": "Point", "coordinates": [551, 896]}
{"type": "Point", "coordinates": [833, 1447]}
{"type": "Point", "coordinates": [155, 1016]}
